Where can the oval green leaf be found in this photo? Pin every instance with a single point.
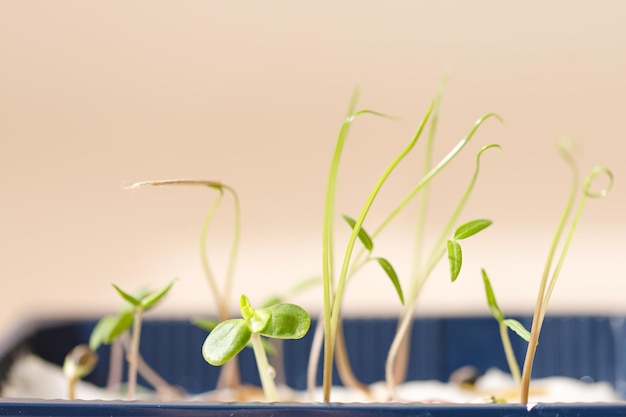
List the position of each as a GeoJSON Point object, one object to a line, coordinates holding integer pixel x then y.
{"type": "Point", "coordinates": [491, 299]}
{"type": "Point", "coordinates": [151, 299]}
{"type": "Point", "coordinates": [287, 321]}
{"type": "Point", "coordinates": [225, 341]}
{"type": "Point", "coordinates": [391, 273]}
{"type": "Point", "coordinates": [108, 328]}
{"type": "Point", "coordinates": [123, 322]}
{"type": "Point", "coordinates": [455, 257]}
{"type": "Point", "coordinates": [101, 332]}
{"type": "Point", "coordinates": [363, 236]}
{"type": "Point", "coordinates": [471, 228]}
{"type": "Point", "coordinates": [518, 328]}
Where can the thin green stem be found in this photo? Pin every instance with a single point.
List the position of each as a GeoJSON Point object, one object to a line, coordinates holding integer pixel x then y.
{"type": "Point", "coordinates": [433, 172]}
{"type": "Point", "coordinates": [546, 287]}
{"type": "Point", "coordinates": [509, 354]}
{"type": "Point", "coordinates": [428, 162]}
{"type": "Point", "coordinates": [234, 251]}
{"type": "Point", "coordinates": [133, 354]}
{"type": "Point", "coordinates": [401, 363]}
{"type": "Point", "coordinates": [204, 258]}
{"type": "Point", "coordinates": [403, 326]}
{"type": "Point", "coordinates": [539, 306]}
{"type": "Point", "coordinates": [266, 371]}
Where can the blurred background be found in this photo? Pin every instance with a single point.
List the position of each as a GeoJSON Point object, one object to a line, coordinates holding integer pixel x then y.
{"type": "Point", "coordinates": [95, 96]}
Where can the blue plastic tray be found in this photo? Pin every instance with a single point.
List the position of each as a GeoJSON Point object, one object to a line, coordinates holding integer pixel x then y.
{"type": "Point", "coordinates": [574, 346]}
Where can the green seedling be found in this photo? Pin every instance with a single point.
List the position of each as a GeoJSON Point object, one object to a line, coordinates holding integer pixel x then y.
{"type": "Point", "coordinates": [110, 328]}
{"type": "Point", "coordinates": [221, 295]}
{"type": "Point", "coordinates": [228, 338]}
{"type": "Point", "coordinates": [334, 287]}
{"type": "Point", "coordinates": [78, 364]}
{"type": "Point", "coordinates": [504, 325]}
{"type": "Point", "coordinates": [550, 276]}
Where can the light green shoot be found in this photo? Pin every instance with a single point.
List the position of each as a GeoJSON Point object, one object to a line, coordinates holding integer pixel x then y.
{"type": "Point", "coordinates": [504, 325]}
{"type": "Point", "coordinates": [444, 245]}
{"type": "Point", "coordinates": [228, 338]}
{"type": "Point", "coordinates": [333, 291]}
{"type": "Point", "coordinates": [140, 305]}
{"type": "Point", "coordinates": [549, 279]}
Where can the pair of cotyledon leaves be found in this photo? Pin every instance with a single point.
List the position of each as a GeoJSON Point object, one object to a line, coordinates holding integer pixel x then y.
{"type": "Point", "coordinates": [109, 328]}
{"type": "Point", "coordinates": [279, 321]}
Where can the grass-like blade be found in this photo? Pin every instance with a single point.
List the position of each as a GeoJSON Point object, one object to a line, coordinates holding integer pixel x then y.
{"type": "Point", "coordinates": [135, 302]}
{"type": "Point", "coordinates": [365, 238]}
{"type": "Point", "coordinates": [391, 273]}
{"type": "Point", "coordinates": [518, 328]}
{"type": "Point", "coordinates": [491, 299]}
{"type": "Point", "coordinates": [455, 257]}
{"type": "Point", "coordinates": [150, 300]}
{"type": "Point", "coordinates": [471, 228]}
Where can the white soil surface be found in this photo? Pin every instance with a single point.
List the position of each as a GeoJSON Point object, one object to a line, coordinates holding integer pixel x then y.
{"type": "Point", "coordinates": [31, 377]}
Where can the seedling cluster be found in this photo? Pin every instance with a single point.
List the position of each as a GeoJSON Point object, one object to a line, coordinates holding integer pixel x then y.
{"type": "Point", "coordinates": [282, 320]}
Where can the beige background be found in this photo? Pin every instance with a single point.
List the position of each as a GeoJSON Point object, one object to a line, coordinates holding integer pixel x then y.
{"type": "Point", "coordinates": [98, 95]}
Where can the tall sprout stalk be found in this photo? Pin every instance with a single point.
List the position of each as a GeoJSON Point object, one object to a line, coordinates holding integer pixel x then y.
{"type": "Point", "coordinates": [333, 295]}
{"type": "Point", "coordinates": [548, 280]}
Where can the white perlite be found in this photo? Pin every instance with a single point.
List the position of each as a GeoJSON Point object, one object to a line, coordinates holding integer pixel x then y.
{"type": "Point", "coordinates": [31, 377]}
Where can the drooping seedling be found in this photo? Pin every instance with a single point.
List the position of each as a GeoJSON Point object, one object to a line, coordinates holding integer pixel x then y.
{"type": "Point", "coordinates": [228, 338]}
{"type": "Point", "coordinates": [229, 377]}
{"type": "Point", "coordinates": [111, 327]}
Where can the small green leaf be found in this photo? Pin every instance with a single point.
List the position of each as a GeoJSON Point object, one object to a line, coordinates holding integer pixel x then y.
{"type": "Point", "coordinates": [365, 238]}
{"type": "Point", "coordinates": [455, 256]}
{"type": "Point", "coordinates": [491, 299]}
{"type": "Point", "coordinates": [135, 302]}
{"type": "Point", "coordinates": [101, 332]}
{"type": "Point", "coordinates": [246, 309]}
{"type": "Point", "coordinates": [150, 300]}
{"type": "Point", "coordinates": [259, 321]}
{"type": "Point", "coordinates": [225, 341]}
{"type": "Point", "coordinates": [391, 273]}
{"type": "Point", "coordinates": [287, 321]}
{"type": "Point", "coordinates": [109, 328]}
{"type": "Point", "coordinates": [471, 228]}
{"type": "Point", "coordinates": [518, 328]}
{"type": "Point", "coordinates": [123, 323]}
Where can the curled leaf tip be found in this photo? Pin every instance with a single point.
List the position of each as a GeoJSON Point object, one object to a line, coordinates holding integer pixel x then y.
{"type": "Point", "coordinates": [595, 172]}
